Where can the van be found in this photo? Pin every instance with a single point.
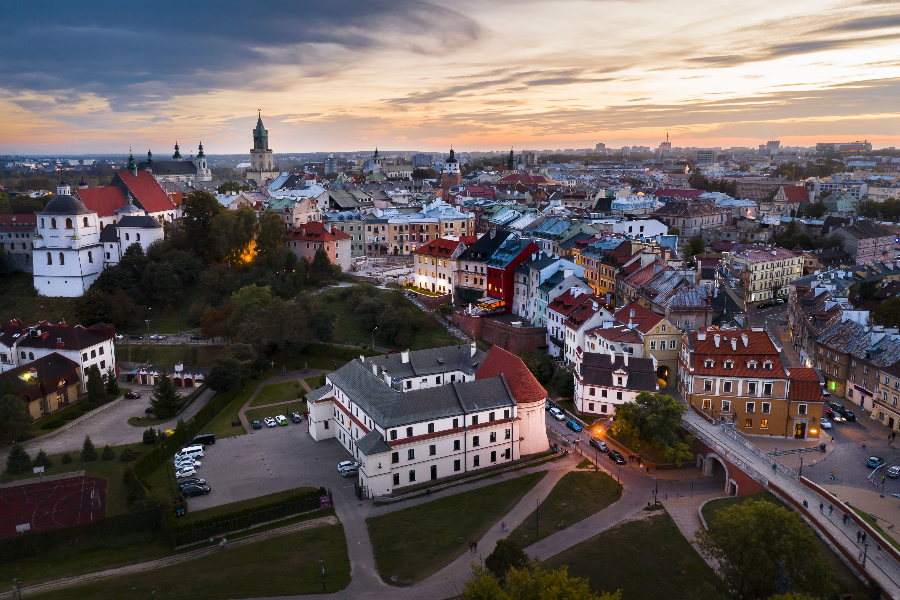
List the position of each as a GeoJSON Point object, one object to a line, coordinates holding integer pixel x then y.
{"type": "Point", "coordinates": [204, 439]}
{"type": "Point", "coordinates": [190, 451]}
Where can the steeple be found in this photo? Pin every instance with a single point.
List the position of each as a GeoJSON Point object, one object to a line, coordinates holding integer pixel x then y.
{"type": "Point", "coordinates": [260, 135]}
{"type": "Point", "coordinates": [177, 155]}
{"type": "Point", "coordinates": [149, 157]}
{"type": "Point", "coordinates": [63, 188]}
{"type": "Point", "coordinates": [511, 161]}
{"type": "Point", "coordinates": [200, 153]}
{"type": "Point", "coordinates": [82, 184]}
{"type": "Point", "coordinates": [376, 153]}
{"type": "Point", "coordinates": [452, 158]}
{"type": "Point", "coordinates": [132, 168]}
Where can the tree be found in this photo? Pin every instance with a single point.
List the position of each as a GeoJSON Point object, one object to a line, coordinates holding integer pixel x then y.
{"type": "Point", "coordinates": [755, 541]}
{"type": "Point", "coordinates": [165, 399]}
{"type": "Point", "coordinates": [149, 437]}
{"type": "Point", "coordinates": [232, 186]}
{"type": "Point", "coordinates": [95, 387]}
{"type": "Point", "coordinates": [199, 210]}
{"type": "Point", "coordinates": [321, 270]}
{"type": "Point", "coordinates": [564, 383]}
{"type": "Point", "coordinates": [506, 555]}
{"type": "Point", "coordinates": [112, 384]}
{"type": "Point", "coordinates": [535, 583]}
{"type": "Point", "coordinates": [42, 460]}
{"type": "Point", "coordinates": [673, 231]}
{"type": "Point", "coordinates": [540, 364]}
{"type": "Point", "coordinates": [870, 209]}
{"type": "Point", "coordinates": [815, 210]}
{"type": "Point", "coordinates": [214, 321]}
{"type": "Point", "coordinates": [888, 313]}
{"type": "Point", "coordinates": [14, 414]}
{"type": "Point", "coordinates": [425, 173]}
{"type": "Point", "coordinates": [231, 367]}
{"type": "Point", "coordinates": [107, 453]}
{"type": "Point", "coordinates": [654, 419]}
{"type": "Point", "coordinates": [248, 301]}
{"type": "Point", "coordinates": [18, 460]}
{"type": "Point", "coordinates": [694, 246]}
{"type": "Point", "coordinates": [270, 241]}
{"type": "Point", "coordinates": [88, 451]}
{"type": "Point", "coordinates": [322, 323]}
{"type": "Point", "coordinates": [233, 232]}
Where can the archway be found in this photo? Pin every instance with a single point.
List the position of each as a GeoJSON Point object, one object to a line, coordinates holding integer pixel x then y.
{"type": "Point", "coordinates": [178, 381]}
{"type": "Point", "coordinates": [716, 468]}
{"type": "Point", "coordinates": [662, 374]}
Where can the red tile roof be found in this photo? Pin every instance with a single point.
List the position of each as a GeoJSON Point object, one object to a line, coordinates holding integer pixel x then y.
{"type": "Point", "coordinates": [18, 222]}
{"type": "Point", "coordinates": [523, 178]}
{"type": "Point", "coordinates": [619, 333]}
{"type": "Point", "coordinates": [759, 348]}
{"type": "Point", "coordinates": [687, 194]}
{"type": "Point", "coordinates": [103, 200]}
{"type": "Point", "coordinates": [524, 387]}
{"type": "Point", "coordinates": [439, 247]}
{"type": "Point", "coordinates": [643, 320]}
{"type": "Point", "coordinates": [805, 385]}
{"type": "Point", "coordinates": [315, 231]}
{"type": "Point", "coordinates": [567, 303]}
{"type": "Point", "coordinates": [146, 190]}
{"type": "Point", "coordinates": [796, 193]}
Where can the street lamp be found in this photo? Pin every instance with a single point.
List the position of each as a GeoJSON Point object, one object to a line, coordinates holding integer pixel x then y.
{"type": "Point", "coordinates": [373, 338]}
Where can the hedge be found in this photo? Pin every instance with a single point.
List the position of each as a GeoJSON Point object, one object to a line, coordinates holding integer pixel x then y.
{"type": "Point", "coordinates": [178, 527]}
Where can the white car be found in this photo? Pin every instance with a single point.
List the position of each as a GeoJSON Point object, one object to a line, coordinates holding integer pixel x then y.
{"type": "Point", "coordinates": [826, 424]}
{"type": "Point", "coordinates": [185, 472]}
{"type": "Point", "coordinates": [187, 462]}
{"type": "Point", "coordinates": [270, 422]}
{"type": "Point", "coordinates": [557, 414]}
{"type": "Point", "coordinates": [157, 336]}
{"type": "Point", "coordinates": [348, 467]}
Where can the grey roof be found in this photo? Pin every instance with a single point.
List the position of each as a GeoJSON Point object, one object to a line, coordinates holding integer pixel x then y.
{"type": "Point", "coordinates": [597, 369]}
{"type": "Point", "coordinates": [139, 222]}
{"type": "Point", "coordinates": [428, 362]}
{"type": "Point", "coordinates": [66, 205]}
{"type": "Point", "coordinates": [169, 167]}
{"type": "Point", "coordinates": [318, 393]}
{"type": "Point", "coordinates": [372, 443]}
{"type": "Point", "coordinates": [108, 234]}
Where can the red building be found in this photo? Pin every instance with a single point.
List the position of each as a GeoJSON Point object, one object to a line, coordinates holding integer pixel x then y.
{"type": "Point", "coordinates": [500, 267]}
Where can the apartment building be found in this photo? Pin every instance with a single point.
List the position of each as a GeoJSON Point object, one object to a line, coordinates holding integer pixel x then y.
{"type": "Point", "coordinates": [692, 217]}
{"type": "Point", "coordinates": [884, 408]}
{"type": "Point", "coordinates": [85, 346]}
{"type": "Point", "coordinates": [434, 265]}
{"type": "Point", "coordinates": [659, 337]}
{"type": "Point", "coordinates": [737, 376]}
{"type": "Point", "coordinates": [603, 382]}
{"type": "Point", "coordinates": [16, 240]}
{"type": "Point", "coordinates": [867, 242]}
{"type": "Point", "coordinates": [767, 274]}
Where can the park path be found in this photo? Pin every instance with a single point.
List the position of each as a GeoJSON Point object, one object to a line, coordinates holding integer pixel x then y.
{"type": "Point", "coordinates": [289, 376]}
{"type": "Point", "coordinates": [169, 561]}
{"type": "Point", "coordinates": [685, 511]}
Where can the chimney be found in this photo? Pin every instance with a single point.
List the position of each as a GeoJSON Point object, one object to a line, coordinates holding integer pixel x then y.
{"type": "Point", "coordinates": [375, 369]}
{"type": "Point", "coordinates": [716, 338]}
{"type": "Point", "coordinates": [701, 336]}
{"type": "Point", "coordinates": [734, 343]}
{"type": "Point", "coordinates": [404, 356]}
{"type": "Point", "coordinates": [744, 339]}
{"type": "Point", "coordinates": [594, 305]}
{"type": "Point", "coordinates": [625, 358]}
{"type": "Point", "coordinates": [59, 343]}
{"type": "Point", "coordinates": [387, 377]}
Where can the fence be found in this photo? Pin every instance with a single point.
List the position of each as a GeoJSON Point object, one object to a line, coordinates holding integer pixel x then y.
{"type": "Point", "coordinates": [248, 520]}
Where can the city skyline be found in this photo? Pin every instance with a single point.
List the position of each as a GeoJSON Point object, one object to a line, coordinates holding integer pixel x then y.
{"type": "Point", "coordinates": [477, 76]}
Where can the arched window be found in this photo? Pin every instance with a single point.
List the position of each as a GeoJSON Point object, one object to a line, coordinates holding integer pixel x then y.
{"type": "Point", "coordinates": [90, 257]}
{"type": "Point", "coordinates": [49, 259]}
{"type": "Point", "coordinates": [85, 222]}
{"type": "Point", "coordinates": [69, 224]}
{"type": "Point", "coordinates": [101, 225]}
{"type": "Point", "coordinates": [53, 223]}
{"type": "Point", "coordinates": [62, 258]}
{"type": "Point", "coordinates": [31, 356]}
{"type": "Point", "coordinates": [42, 224]}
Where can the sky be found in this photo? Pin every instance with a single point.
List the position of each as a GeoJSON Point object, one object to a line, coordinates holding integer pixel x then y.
{"type": "Point", "coordinates": [105, 77]}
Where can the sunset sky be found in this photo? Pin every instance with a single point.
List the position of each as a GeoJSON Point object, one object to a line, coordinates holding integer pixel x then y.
{"type": "Point", "coordinates": [91, 77]}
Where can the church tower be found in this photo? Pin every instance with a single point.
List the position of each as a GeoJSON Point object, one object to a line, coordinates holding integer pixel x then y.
{"type": "Point", "coordinates": [511, 162]}
{"type": "Point", "coordinates": [260, 155]}
{"type": "Point", "coordinates": [450, 176]}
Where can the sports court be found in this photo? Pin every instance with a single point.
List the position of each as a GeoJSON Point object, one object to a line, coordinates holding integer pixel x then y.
{"type": "Point", "coordinates": [52, 504]}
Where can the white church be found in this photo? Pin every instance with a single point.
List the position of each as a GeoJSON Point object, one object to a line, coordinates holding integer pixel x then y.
{"type": "Point", "coordinates": [70, 250]}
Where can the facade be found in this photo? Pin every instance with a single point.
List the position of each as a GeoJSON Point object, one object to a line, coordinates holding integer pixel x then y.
{"type": "Point", "coordinates": [660, 338]}
{"type": "Point", "coordinates": [434, 265]}
{"type": "Point", "coordinates": [295, 211]}
{"type": "Point", "coordinates": [471, 277]}
{"type": "Point", "coordinates": [415, 417]}
{"type": "Point", "coordinates": [501, 268]}
{"type": "Point", "coordinates": [767, 274]}
{"type": "Point", "coordinates": [16, 240]}
{"type": "Point", "coordinates": [145, 193]}
{"type": "Point", "coordinates": [737, 376]}
{"type": "Point", "coordinates": [867, 242]}
{"type": "Point", "coordinates": [178, 170]}
{"type": "Point", "coordinates": [85, 346]}
{"type": "Point", "coordinates": [352, 223]}
{"type": "Point", "coordinates": [691, 218]}
{"type": "Point", "coordinates": [133, 226]}
{"type": "Point", "coordinates": [884, 405]}
{"type": "Point", "coordinates": [262, 166]}
{"type": "Point", "coordinates": [307, 239]}
{"type": "Point", "coordinates": [45, 385]}
{"type": "Point", "coordinates": [604, 381]}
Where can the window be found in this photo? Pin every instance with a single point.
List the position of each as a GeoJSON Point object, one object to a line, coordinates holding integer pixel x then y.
{"type": "Point", "coordinates": [764, 424]}
{"type": "Point", "coordinates": [431, 428]}
{"type": "Point", "coordinates": [93, 354]}
{"type": "Point", "coordinates": [396, 478]}
{"type": "Point", "coordinates": [491, 417]}
{"type": "Point", "coordinates": [476, 461]}
{"type": "Point", "coordinates": [395, 457]}
{"type": "Point", "coordinates": [474, 419]}
{"type": "Point", "coordinates": [663, 328]}
{"type": "Point", "coordinates": [476, 441]}
{"type": "Point", "coordinates": [455, 423]}
{"type": "Point", "coordinates": [603, 393]}
{"type": "Point", "coordinates": [751, 407]}
{"type": "Point", "coordinates": [726, 405]}
{"type": "Point", "coordinates": [433, 472]}
{"type": "Point", "coordinates": [751, 387]}
{"type": "Point", "coordinates": [619, 381]}
{"type": "Point", "coordinates": [493, 456]}
{"type": "Point", "coordinates": [393, 434]}
{"type": "Point", "coordinates": [506, 413]}
{"type": "Point", "coordinates": [591, 406]}
{"type": "Point", "coordinates": [767, 389]}
{"type": "Point", "coordinates": [90, 257]}
{"type": "Point", "coordinates": [62, 258]}
{"type": "Point", "coordinates": [432, 450]}
{"type": "Point", "coordinates": [411, 454]}
{"type": "Point", "coordinates": [412, 475]}
{"type": "Point", "coordinates": [707, 404]}
{"type": "Point", "coordinates": [672, 344]}
{"type": "Point", "coordinates": [748, 423]}
{"type": "Point", "coordinates": [767, 366]}
{"type": "Point", "coordinates": [456, 444]}
{"type": "Point", "coordinates": [708, 364]}
{"type": "Point", "coordinates": [801, 409]}
{"type": "Point", "coordinates": [508, 433]}
{"type": "Point", "coordinates": [729, 364]}
{"type": "Point", "coordinates": [456, 465]}
{"type": "Point", "coordinates": [102, 364]}
{"type": "Point", "coordinates": [751, 365]}
{"type": "Point", "coordinates": [653, 345]}
{"type": "Point", "coordinates": [618, 395]}
{"type": "Point", "coordinates": [766, 407]}
{"type": "Point", "coordinates": [409, 432]}
{"type": "Point", "coordinates": [493, 436]}
{"type": "Point", "coordinates": [326, 424]}
{"type": "Point", "coordinates": [84, 356]}
{"type": "Point", "coordinates": [707, 385]}
{"type": "Point", "coordinates": [726, 386]}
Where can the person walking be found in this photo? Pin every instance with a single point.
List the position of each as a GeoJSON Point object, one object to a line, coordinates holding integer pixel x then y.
{"type": "Point", "coordinates": [864, 537]}
{"type": "Point", "coordinates": [471, 544]}
{"type": "Point", "coordinates": [821, 508]}
{"type": "Point", "coordinates": [774, 468]}
{"type": "Point", "coordinates": [830, 509]}
{"type": "Point", "coordinates": [475, 547]}
{"type": "Point", "coordinates": [858, 535]}
{"type": "Point", "coordinates": [641, 466]}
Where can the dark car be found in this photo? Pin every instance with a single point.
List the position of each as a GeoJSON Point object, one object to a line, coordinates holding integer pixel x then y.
{"type": "Point", "coordinates": [149, 410]}
{"type": "Point", "coordinates": [874, 462]}
{"type": "Point", "coordinates": [197, 337]}
{"type": "Point", "coordinates": [195, 490]}
{"type": "Point", "coordinates": [599, 445]}
{"type": "Point", "coordinates": [133, 395]}
{"type": "Point", "coordinates": [616, 457]}
{"type": "Point", "coordinates": [255, 424]}
{"type": "Point", "coordinates": [204, 438]}
{"type": "Point", "coordinates": [835, 406]}
{"type": "Point", "coordinates": [296, 417]}
{"type": "Point", "coordinates": [765, 305]}
{"type": "Point", "coordinates": [847, 414]}
{"type": "Point", "coordinates": [136, 336]}
{"type": "Point", "coordinates": [183, 483]}
{"type": "Point", "coordinates": [834, 415]}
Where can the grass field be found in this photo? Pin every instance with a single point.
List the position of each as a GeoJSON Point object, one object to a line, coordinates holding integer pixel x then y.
{"type": "Point", "coordinates": [243, 504]}
{"type": "Point", "coordinates": [258, 414]}
{"type": "Point", "coordinates": [650, 560]}
{"type": "Point", "coordinates": [865, 517]}
{"type": "Point", "coordinates": [279, 566]}
{"type": "Point", "coordinates": [278, 392]}
{"type": "Point", "coordinates": [221, 423]}
{"type": "Point", "coordinates": [575, 497]}
{"type": "Point", "coordinates": [313, 382]}
{"type": "Point", "coordinates": [111, 470]}
{"type": "Point", "coordinates": [416, 542]}
{"type": "Point", "coordinates": [845, 579]}
{"type": "Point", "coordinates": [168, 355]}
{"type": "Point", "coordinates": [18, 301]}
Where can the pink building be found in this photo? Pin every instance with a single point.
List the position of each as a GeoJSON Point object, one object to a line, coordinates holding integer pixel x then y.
{"type": "Point", "coordinates": [306, 239]}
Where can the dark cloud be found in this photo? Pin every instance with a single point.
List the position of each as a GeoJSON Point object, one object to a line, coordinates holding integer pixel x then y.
{"type": "Point", "coordinates": [140, 54]}
{"type": "Point", "coordinates": [867, 23]}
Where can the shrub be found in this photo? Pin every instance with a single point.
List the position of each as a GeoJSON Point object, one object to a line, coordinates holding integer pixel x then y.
{"type": "Point", "coordinates": [42, 460]}
{"type": "Point", "coordinates": [71, 415]}
{"type": "Point", "coordinates": [66, 459]}
{"type": "Point", "coordinates": [107, 453]}
{"type": "Point", "coordinates": [150, 436]}
{"type": "Point", "coordinates": [128, 455]}
{"type": "Point", "coordinates": [18, 461]}
{"type": "Point", "coordinates": [53, 424]}
{"type": "Point", "coordinates": [88, 451]}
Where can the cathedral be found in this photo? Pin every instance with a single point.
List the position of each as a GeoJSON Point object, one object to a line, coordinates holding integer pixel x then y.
{"type": "Point", "coordinates": [262, 165]}
{"type": "Point", "coordinates": [178, 169]}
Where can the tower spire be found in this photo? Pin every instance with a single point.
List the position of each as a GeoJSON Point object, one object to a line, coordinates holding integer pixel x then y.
{"type": "Point", "coordinates": [177, 155]}
{"type": "Point", "coordinates": [132, 167]}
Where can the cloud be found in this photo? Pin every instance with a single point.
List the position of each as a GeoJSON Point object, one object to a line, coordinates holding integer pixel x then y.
{"type": "Point", "coordinates": [867, 23]}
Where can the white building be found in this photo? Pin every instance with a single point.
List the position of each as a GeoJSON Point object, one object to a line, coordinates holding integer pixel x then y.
{"type": "Point", "coordinates": [604, 381]}
{"type": "Point", "coordinates": [86, 346]}
{"type": "Point", "coordinates": [419, 416]}
{"type": "Point", "coordinates": [133, 226]}
{"type": "Point", "coordinates": [642, 228]}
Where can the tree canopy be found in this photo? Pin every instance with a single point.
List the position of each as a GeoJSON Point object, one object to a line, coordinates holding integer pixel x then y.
{"type": "Point", "coordinates": [654, 419]}
{"type": "Point", "coordinates": [14, 414]}
{"type": "Point", "coordinates": [165, 399]}
{"type": "Point", "coordinates": [531, 583]}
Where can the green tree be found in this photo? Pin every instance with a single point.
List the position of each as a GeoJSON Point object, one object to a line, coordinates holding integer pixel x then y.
{"type": "Point", "coordinates": [14, 414]}
{"type": "Point", "coordinates": [425, 173]}
{"type": "Point", "coordinates": [233, 231]}
{"type": "Point", "coordinates": [755, 541]}
{"type": "Point", "coordinates": [540, 364]}
{"type": "Point", "coordinates": [96, 389]}
{"type": "Point", "coordinates": [654, 419]}
{"type": "Point", "coordinates": [165, 399]}
{"type": "Point", "coordinates": [247, 302]}
{"type": "Point", "coordinates": [563, 382]}
{"type": "Point", "coordinates": [199, 210]}
{"type": "Point", "coordinates": [88, 451]}
{"type": "Point", "coordinates": [815, 210]}
{"type": "Point", "coordinates": [535, 583]}
{"type": "Point", "coordinates": [322, 323]}
{"type": "Point", "coordinates": [270, 241]}
{"type": "Point", "coordinates": [321, 269]}
{"type": "Point", "coordinates": [506, 555]}
{"type": "Point", "coordinates": [42, 460]}
{"type": "Point", "coordinates": [694, 246]}
{"type": "Point", "coordinates": [888, 313]}
{"type": "Point", "coordinates": [18, 460]}
{"type": "Point", "coordinates": [232, 186]}
{"type": "Point", "coordinates": [107, 453]}
{"type": "Point", "coordinates": [870, 209]}
{"type": "Point", "coordinates": [794, 596]}
{"type": "Point", "coordinates": [149, 437]}
{"type": "Point", "coordinates": [112, 384]}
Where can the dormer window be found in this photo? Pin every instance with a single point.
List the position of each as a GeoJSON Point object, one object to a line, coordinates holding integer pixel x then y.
{"type": "Point", "coordinates": [751, 365]}
{"type": "Point", "coordinates": [729, 364]}
{"type": "Point", "coordinates": [708, 363]}
{"type": "Point", "coordinates": [767, 365]}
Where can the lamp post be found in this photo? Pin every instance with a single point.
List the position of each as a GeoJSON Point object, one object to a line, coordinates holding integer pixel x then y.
{"type": "Point", "coordinates": [147, 323]}
{"type": "Point", "coordinates": [865, 554]}
{"type": "Point", "coordinates": [373, 338]}
{"type": "Point", "coordinates": [801, 466]}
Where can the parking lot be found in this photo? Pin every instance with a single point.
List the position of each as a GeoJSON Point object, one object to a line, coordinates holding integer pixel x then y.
{"type": "Point", "coordinates": [268, 460]}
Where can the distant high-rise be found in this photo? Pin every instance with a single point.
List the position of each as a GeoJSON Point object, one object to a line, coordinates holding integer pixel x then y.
{"type": "Point", "coordinates": [665, 148]}
{"type": "Point", "coordinates": [330, 164]}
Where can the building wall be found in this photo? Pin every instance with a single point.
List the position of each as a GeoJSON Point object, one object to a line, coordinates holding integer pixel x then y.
{"type": "Point", "coordinates": [103, 355]}
{"type": "Point", "coordinates": [52, 402]}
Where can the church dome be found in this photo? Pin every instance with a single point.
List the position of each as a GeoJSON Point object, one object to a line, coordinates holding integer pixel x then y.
{"type": "Point", "coordinates": [66, 205]}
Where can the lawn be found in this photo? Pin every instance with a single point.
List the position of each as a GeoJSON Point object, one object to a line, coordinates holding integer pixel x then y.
{"type": "Point", "coordinates": [112, 470]}
{"type": "Point", "coordinates": [243, 504]}
{"type": "Point", "coordinates": [278, 392]}
{"type": "Point", "coordinates": [868, 519]}
{"type": "Point", "coordinates": [168, 355]}
{"type": "Point", "coordinates": [19, 301]}
{"type": "Point", "coordinates": [575, 497]}
{"type": "Point", "coordinates": [258, 414]}
{"type": "Point", "coordinates": [221, 423]}
{"type": "Point", "coordinates": [647, 559]}
{"type": "Point", "coordinates": [419, 541]}
{"type": "Point", "coordinates": [313, 382]}
{"type": "Point", "coordinates": [847, 582]}
{"type": "Point", "coordinates": [279, 566]}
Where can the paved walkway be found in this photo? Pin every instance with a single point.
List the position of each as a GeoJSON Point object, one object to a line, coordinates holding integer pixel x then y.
{"type": "Point", "coordinates": [732, 446]}
{"type": "Point", "coordinates": [685, 511]}
{"type": "Point", "coordinates": [298, 375]}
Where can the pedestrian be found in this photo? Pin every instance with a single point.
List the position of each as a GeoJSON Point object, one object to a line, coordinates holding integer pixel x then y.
{"type": "Point", "coordinates": [844, 518]}
{"type": "Point", "coordinates": [648, 470]}
{"type": "Point", "coordinates": [475, 547]}
{"type": "Point", "coordinates": [641, 466]}
{"type": "Point", "coordinates": [858, 535]}
{"type": "Point", "coordinates": [864, 537]}
{"type": "Point", "coordinates": [774, 468]}
{"type": "Point", "coordinates": [470, 546]}
{"type": "Point", "coordinates": [821, 508]}
{"type": "Point", "coordinates": [830, 509]}
{"type": "Point", "coordinates": [805, 504]}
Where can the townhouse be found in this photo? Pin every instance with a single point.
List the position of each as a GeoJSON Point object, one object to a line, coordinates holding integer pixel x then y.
{"type": "Point", "coordinates": [45, 384]}
{"type": "Point", "coordinates": [470, 283]}
{"type": "Point", "coordinates": [766, 274]}
{"type": "Point", "coordinates": [884, 402]}
{"type": "Point", "coordinates": [604, 381]}
{"type": "Point", "coordinates": [350, 222]}
{"type": "Point", "coordinates": [434, 265]}
{"type": "Point", "coordinates": [737, 376]}
{"type": "Point", "coordinates": [660, 338]}
{"type": "Point", "coordinates": [501, 267]}
{"type": "Point", "coordinates": [530, 295]}
{"type": "Point", "coordinates": [313, 236]}
{"type": "Point", "coordinates": [84, 346]}
{"type": "Point", "coordinates": [415, 417]}
{"type": "Point", "coordinates": [692, 217]}
{"type": "Point", "coordinates": [295, 211]}
{"type": "Point", "coordinates": [867, 242]}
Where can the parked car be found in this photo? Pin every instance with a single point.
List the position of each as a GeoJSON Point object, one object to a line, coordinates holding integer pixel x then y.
{"type": "Point", "coordinates": [119, 336]}
{"type": "Point", "coordinates": [847, 414]}
{"type": "Point", "coordinates": [186, 462]}
{"type": "Point", "coordinates": [557, 414]}
{"type": "Point", "coordinates": [197, 337]}
{"type": "Point", "coordinates": [132, 395]}
{"type": "Point", "coordinates": [893, 472]}
{"type": "Point", "coordinates": [185, 472]}
{"type": "Point", "coordinates": [599, 445]}
{"type": "Point", "coordinates": [149, 410]}
{"type": "Point", "coordinates": [296, 417]}
{"type": "Point", "coordinates": [779, 301]}
{"type": "Point", "coordinates": [205, 439]}
{"type": "Point", "coordinates": [826, 424]}
{"type": "Point", "coordinates": [874, 462]}
{"type": "Point", "coordinates": [157, 336]}
{"type": "Point", "coordinates": [190, 481]}
{"type": "Point", "coordinates": [195, 490]}
{"type": "Point", "coordinates": [270, 422]}
{"type": "Point", "coordinates": [616, 457]}
{"type": "Point", "coordinates": [573, 425]}
{"type": "Point", "coordinates": [255, 424]}
{"type": "Point", "coordinates": [136, 336]}
{"type": "Point", "coordinates": [348, 467]}
{"type": "Point", "coordinates": [765, 305]}
{"type": "Point", "coordinates": [281, 420]}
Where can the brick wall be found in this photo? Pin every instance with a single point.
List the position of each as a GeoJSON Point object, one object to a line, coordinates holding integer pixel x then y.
{"type": "Point", "coordinates": [512, 339]}
{"type": "Point", "coordinates": [746, 485]}
{"type": "Point", "coordinates": [432, 302]}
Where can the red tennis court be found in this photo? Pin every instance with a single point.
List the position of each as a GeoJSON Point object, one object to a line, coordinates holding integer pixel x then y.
{"type": "Point", "coordinates": [52, 504]}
